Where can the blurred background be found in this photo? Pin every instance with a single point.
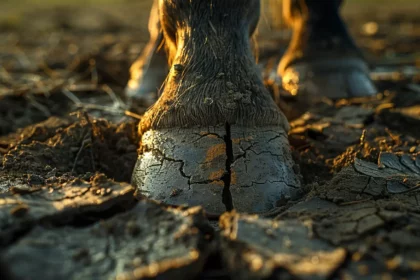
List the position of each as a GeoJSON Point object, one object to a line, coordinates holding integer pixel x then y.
{"type": "Point", "coordinates": [73, 47]}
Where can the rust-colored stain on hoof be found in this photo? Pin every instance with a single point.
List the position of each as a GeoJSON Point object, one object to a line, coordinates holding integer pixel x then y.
{"type": "Point", "coordinates": [224, 168]}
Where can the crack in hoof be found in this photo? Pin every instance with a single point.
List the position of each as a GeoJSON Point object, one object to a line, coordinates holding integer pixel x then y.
{"type": "Point", "coordinates": [207, 167]}
{"type": "Point", "coordinates": [227, 177]}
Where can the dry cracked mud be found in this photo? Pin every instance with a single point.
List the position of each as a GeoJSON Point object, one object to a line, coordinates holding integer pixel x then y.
{"type": "Point", "coordinates": [67, 209]}
{"type": "Point", "coordinates": [145, 242]}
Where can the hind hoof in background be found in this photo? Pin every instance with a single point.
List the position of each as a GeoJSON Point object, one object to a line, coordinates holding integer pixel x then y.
{"type": "Point", "coordinates": [334, 79]}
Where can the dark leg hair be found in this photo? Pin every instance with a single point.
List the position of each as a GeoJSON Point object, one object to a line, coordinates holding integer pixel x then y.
{"type": "Point", "coordinates": [211, 57]}
{"type": "Point", "coordinates": [213, 108]}
{"type": "Point", "coordinates": [322, 58]}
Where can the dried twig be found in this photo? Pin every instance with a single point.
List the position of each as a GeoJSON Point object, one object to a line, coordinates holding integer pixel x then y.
{"type": "Point", "coordinates": [133, 115]}
{"type": "Point", "coordinates": [70, 95]}
{"type": "Point", "coordinates": [117, 101]}
{"type": "Point", "coordinates": [92, 159]}
{"type": "Point", "coordinates": [87, 139]}
{"type": "Point", "coordinates": [43, 109]}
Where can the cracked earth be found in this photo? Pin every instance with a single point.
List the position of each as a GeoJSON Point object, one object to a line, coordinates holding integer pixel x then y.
{"type": "Point", "coordinates": [68, 209]}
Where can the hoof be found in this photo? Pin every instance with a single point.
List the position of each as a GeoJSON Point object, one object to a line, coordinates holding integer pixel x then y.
{"type": "Point", "coordinates": [334, 79]}
{"type": "Point", "coordinates": [146, 77]}
{"type": "Point", "coordinates": [220, 168]}
{"type": "Point", "coordinates": [215, 138]}
{"type": "Point", "coordinates": [150, 69]}
{"type": "Point", "coordinates": [322, 59]}
{"type": "Point", "coordinates": [263, 174]}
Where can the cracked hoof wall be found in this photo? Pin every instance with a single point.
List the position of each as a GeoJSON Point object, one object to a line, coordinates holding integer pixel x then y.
{"type": "Point", "coordinates": [220, 168]}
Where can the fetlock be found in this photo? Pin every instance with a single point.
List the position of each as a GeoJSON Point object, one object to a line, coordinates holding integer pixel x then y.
{"type": "Point", "coordinates": [213, 78]}
{"type": "Point", "coordinates": [322, 58]}
{"type": "Point", "coordinates": [215, 137]}
{"type": "Point", "coordinates": [317, 31]}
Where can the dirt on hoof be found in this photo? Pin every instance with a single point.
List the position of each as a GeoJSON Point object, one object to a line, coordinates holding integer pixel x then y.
{"type": "Point", "coordinates": [221, 168]}
{"type": "Point", "coordinates": [68, 148]}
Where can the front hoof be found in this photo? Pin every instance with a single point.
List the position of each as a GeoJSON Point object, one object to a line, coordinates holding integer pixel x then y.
{"type": "Point", "coordinates": [262, 171]}
{"type": "Point", "coordinates": [219, 168]}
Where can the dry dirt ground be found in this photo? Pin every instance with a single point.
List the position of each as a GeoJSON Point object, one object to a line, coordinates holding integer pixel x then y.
{"type": "Point", "coordinates": [68, 147]}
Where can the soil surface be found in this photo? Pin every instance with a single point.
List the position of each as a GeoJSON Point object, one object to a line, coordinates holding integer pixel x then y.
{"type": "Point", "coordinates": [68, 145]}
